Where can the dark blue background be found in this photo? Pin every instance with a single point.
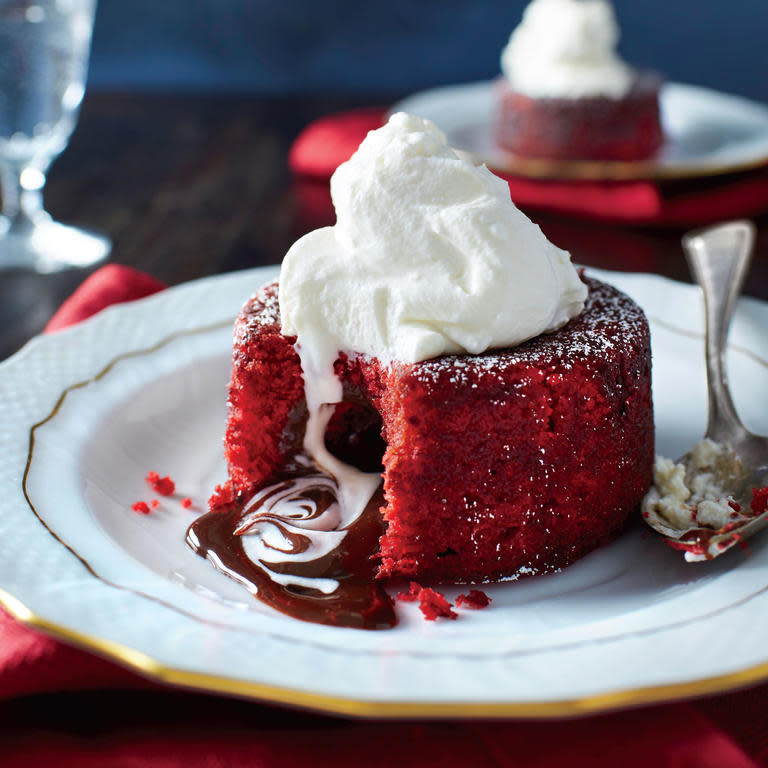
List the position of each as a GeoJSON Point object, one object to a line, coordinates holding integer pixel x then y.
{"type": "Point", "coordinates": [397, 46]}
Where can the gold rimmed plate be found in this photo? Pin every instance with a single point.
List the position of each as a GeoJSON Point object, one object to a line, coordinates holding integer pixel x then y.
{"type": "Point", "coordinates": [706, 133]}
{"type": "Point", "coordinates": [141, 387]}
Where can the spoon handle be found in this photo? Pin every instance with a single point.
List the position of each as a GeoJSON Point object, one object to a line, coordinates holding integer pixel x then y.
{"type": "Point", "coordinates": [718, 258]}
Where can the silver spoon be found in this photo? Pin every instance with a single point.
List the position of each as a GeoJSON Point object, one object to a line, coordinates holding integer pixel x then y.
{"type": "Point", "coordinates": [719, 258]}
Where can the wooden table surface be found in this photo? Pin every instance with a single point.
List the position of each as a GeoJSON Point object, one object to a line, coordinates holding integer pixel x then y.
{"type": "Point", "coordinates": [189, 186]}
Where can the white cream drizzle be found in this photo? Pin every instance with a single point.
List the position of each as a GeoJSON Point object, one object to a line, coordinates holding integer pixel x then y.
{"type": "Point", "coordinates": [263, 541]}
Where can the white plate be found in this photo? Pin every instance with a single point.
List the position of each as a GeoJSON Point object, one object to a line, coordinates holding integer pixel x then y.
{"type": "Point", "coordinates": [88, 412]}
{"type": "Point", "coordinates": [707, 132]}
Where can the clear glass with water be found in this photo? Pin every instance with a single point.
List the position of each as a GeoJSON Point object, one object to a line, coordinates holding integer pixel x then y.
{"type": "Point", "coordinates": [44, 50]}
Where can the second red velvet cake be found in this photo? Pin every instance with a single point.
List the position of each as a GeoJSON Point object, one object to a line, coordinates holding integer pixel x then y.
{"type": "Point", "coordinates": [496, 465]}
{"type": "Point", "coordinates": [566, 94]}
{"type": "Point", "coordinates": [593, 128]}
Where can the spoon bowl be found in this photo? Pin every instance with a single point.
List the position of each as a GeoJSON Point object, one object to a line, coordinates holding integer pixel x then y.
{"type": "Point", "coordinates": [723, 471]}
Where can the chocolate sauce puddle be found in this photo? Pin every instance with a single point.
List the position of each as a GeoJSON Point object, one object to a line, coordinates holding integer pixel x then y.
{"type": "Point", "coordinates": [284, 544]}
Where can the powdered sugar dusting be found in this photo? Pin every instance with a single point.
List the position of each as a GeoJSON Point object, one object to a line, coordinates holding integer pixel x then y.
{"type": "Point", "coordinates": [610, 321]}
{"type": "Point", "coordinates": [261, 311]}
{"type": "Point", "coordinates": [585, 336]}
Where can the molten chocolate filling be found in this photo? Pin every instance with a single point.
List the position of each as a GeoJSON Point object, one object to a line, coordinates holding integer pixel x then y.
{"type": "Point", "coordinates": [297, 556]}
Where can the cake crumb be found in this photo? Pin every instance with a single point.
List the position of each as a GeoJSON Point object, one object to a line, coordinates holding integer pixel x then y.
{"type": "Point", "coordinates": [475, 599]}
{"type": "Point", "coordinates": [412, 595]}
{"type": "Point", "coordinates": [759, 500]}
{"type": "Point", "coordinates": [186, 502]}
{"type": "Point", "coordinates": [431, 602]}
{"type": "Point", "coordinates": [155, 503]}
{"type": "Point", "coordinates": [141, 507]}
{"type": "Point", "coordinates": [222, 494]}
{"type": "Point", "coordinates": [694, 494]}
{"type": "Point", "coordinates": [162, 485]}
{"type": "Point", "coordinates": [434, 605]}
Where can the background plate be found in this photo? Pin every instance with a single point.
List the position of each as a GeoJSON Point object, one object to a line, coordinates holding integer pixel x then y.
{"type": "Point", "coordinates": [142, 386]}
{"type": "Point", "coordinates": [707, 132]}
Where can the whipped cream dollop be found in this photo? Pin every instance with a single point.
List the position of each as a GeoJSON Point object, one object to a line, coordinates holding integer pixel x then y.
{"type": "Point", "coordinates": [429, 256]}
{"type": "Point", "coordinates": [566, 49]}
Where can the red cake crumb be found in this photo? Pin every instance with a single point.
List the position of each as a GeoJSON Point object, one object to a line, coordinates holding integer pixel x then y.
{"type": "Point", "coordinates": [759, 500]}
{"type": "Point", "coordinates": [431, 602]}
{"type": "Point", "coordinates": [694, 547]}
{"type": "Point", "coordinates": [474, 599]}
{"type": "Point", "coordinates": [162, 485]}
{"type": "Point", "coordinates": [412, 595]}
{"type": "Point", "coordinates": [155, 503]}
{"type": "Point", "coordinates": [222, 495]}
{"type": "Point", "coordinates": [434, 605]}
{"type": "Point", "coordinates": [744, 546]}
{"type": "Point", "coordinates": [141, 507]}
{"type": "Point", "coordinates": [186, 503]}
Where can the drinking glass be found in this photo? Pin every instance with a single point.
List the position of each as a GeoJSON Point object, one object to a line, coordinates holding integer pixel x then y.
{"type": "Point", "coordinates": [44, 50]}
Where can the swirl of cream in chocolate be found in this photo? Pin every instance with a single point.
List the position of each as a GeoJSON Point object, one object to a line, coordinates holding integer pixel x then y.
{"type": "Point", "coordinates": [292, 545]}
{"type": "Point", "coordinates": [297, 519]}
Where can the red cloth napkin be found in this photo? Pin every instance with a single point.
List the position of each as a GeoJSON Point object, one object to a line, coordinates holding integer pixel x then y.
{"type": "Point", "coordinates": [329, 141]}
{"type": "Point", "coordinates": [31, 662]}
{"type": "Point", "coordinates": [165, 730]}
{"type": "Point", "coordinates": [112, 284]}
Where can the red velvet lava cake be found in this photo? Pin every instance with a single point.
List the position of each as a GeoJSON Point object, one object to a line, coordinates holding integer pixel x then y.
{"type": "Point", "coordinates": [589, 128]}
{"type": "Point", "coordinates": [508, 463]}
